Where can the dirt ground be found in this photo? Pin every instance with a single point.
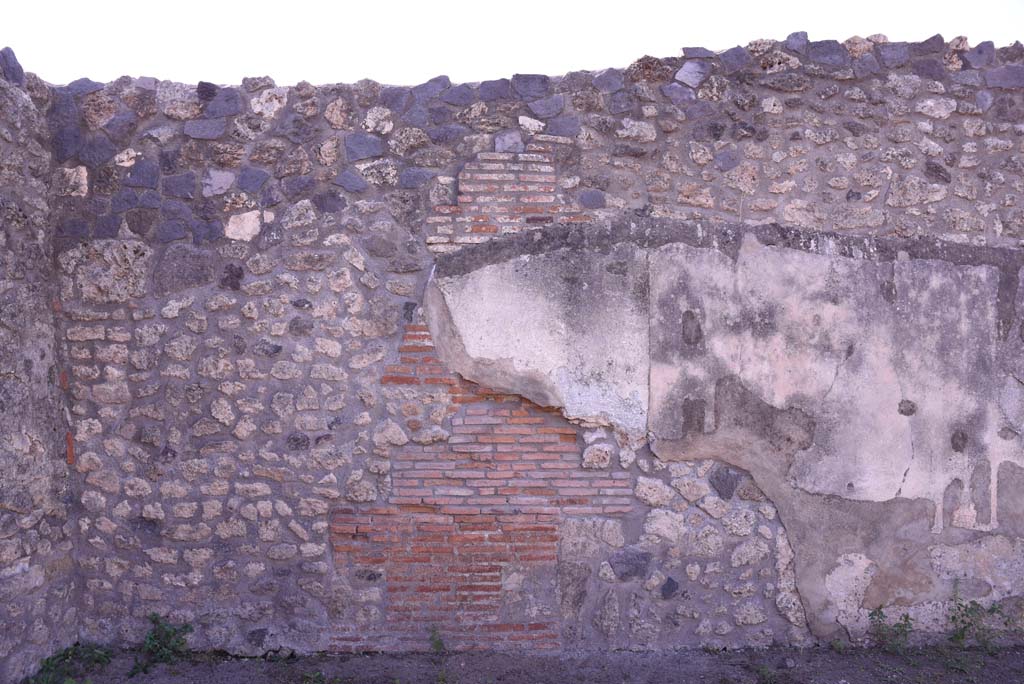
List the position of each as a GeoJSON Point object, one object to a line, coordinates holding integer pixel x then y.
{"type": "Point", "coordinates": [775, 666]}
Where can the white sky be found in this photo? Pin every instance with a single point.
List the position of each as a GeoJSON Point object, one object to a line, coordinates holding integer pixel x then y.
{"type": "Point", "coordinates": [408, 42]}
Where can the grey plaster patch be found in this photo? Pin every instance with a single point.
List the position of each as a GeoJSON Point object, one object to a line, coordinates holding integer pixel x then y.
{"type": "Point", "coordinates": [552, 338]}
{"type": "Point", "coordinates": [789, 356]}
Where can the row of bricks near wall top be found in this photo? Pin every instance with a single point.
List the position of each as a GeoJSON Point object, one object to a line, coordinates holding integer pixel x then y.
{"type": "Point", "coordinates": [501, 193]}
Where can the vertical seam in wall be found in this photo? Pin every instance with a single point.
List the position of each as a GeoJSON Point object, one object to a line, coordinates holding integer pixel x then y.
{"type": "Point", "coordinates": [67, 447]}
{"type": "Point", "coordinates": [650, 331]}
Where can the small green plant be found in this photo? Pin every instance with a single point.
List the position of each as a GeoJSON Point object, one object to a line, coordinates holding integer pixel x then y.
{"type": "Point", "coordinates": [165, 643]}
{"type": "Point", "coordinates": [74, 661]}
{"type": "Point", "coordinates": [438, 647]}
{"type": "Point", "coordinates": [971, 621]}
{"type": "Point", "coordinates": [436, 642]}
{"type": "Point", "coordinates": [839, 646]}
{"type": "Point", "coordinates": [766, 675]}
{"type": "Point", "coordinates": [892, 638]}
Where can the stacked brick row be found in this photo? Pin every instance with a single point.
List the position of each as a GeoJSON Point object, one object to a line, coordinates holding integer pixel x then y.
{"type": "Point", "coordinates": [501, 193]}
{"type": "Point", "coordinates": [463, 512]}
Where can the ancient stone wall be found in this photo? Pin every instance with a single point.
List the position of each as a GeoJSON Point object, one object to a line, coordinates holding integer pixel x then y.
{"type": "Point", "coordinates": [38, 596]}
{"type": "Point", "coordinates": [538, 362]}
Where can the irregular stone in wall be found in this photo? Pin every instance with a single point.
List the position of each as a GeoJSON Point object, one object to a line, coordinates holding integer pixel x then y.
{"type": "Point", "coordinates": [182, 267]}
{"type": "Point", "coordinates": [586, 537]}
{"type": "Point", "coordinates": [630, 563]}
{"type": "Point", "coordinates": [244, 226]}
{"type": "Point", "coordinates": [72, 182]}
{"type": "Point", "coordinates": [597, 456]}
{"type": "Point", "coordinates": [694, 72]}
{"type": "Point", "coordinates": [668, 525]}
{"type": "Point", "coordinates": [108, 271]}
{"type": "Point", "coordinates": [653, 492]}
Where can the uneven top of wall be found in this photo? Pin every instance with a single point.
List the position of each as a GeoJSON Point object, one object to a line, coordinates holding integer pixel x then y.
{"type": "Point", "coordinates": [866, 136]}
{"type": "Point", "coordinates": [829, 54]}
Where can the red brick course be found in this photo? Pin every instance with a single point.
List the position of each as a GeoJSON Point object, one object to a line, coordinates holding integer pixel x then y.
{"type": "Point", "coordinates": [460, 511]}
{"type": "Point", "coordinates": [490, 498]}
{"type": "Point", "coordinates": [502, 193]}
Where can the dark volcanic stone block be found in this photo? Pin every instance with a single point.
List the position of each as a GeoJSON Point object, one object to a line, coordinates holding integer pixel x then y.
{"type": "Point", "coordinates": [1011, 76]}
{"type": "Point", "coordinates": [182, 185]}
{"type": "Point", "coordinates": [206, 129]}
{"type": "Point", "coordinates": [363, 146]}
{"type": "Point", "coordinates": [495, 90]}
{"type": "Point", "coordinates": [351, 180]}
{"type": "Point", "coordinates": [609, 80]}
{"type": "Point", "coordinates": [547, 107]}
{"type": "Point", "coordinates": [96, 151]}
{"type": "Point", "coordinates": [460, 96]}
{"type": "Point", "coordinates": [415, 177]}
{"type": "Point", "coordinates": [735, 59]}
{"type": "Point", "coordinates": [226, 102]}
{"type": "Point", "coordinates": [10, 68]}
{"type": "Point", "coordinates": [531, 86]}
{"type": "Point", "coordinates": [630, 563]}
{"type": "Point", "coordinates": [893, 55]}
{"type": "Point", "coordinates": [144, 174]}
{"type": "Point", "coordinates": [828, 52]}
{"type": "Point", "coordinates": [251, 179]}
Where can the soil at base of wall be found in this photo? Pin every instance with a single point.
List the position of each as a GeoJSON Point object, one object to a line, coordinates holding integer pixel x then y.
{"type": "Point", "coordinates": [934, 665]}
